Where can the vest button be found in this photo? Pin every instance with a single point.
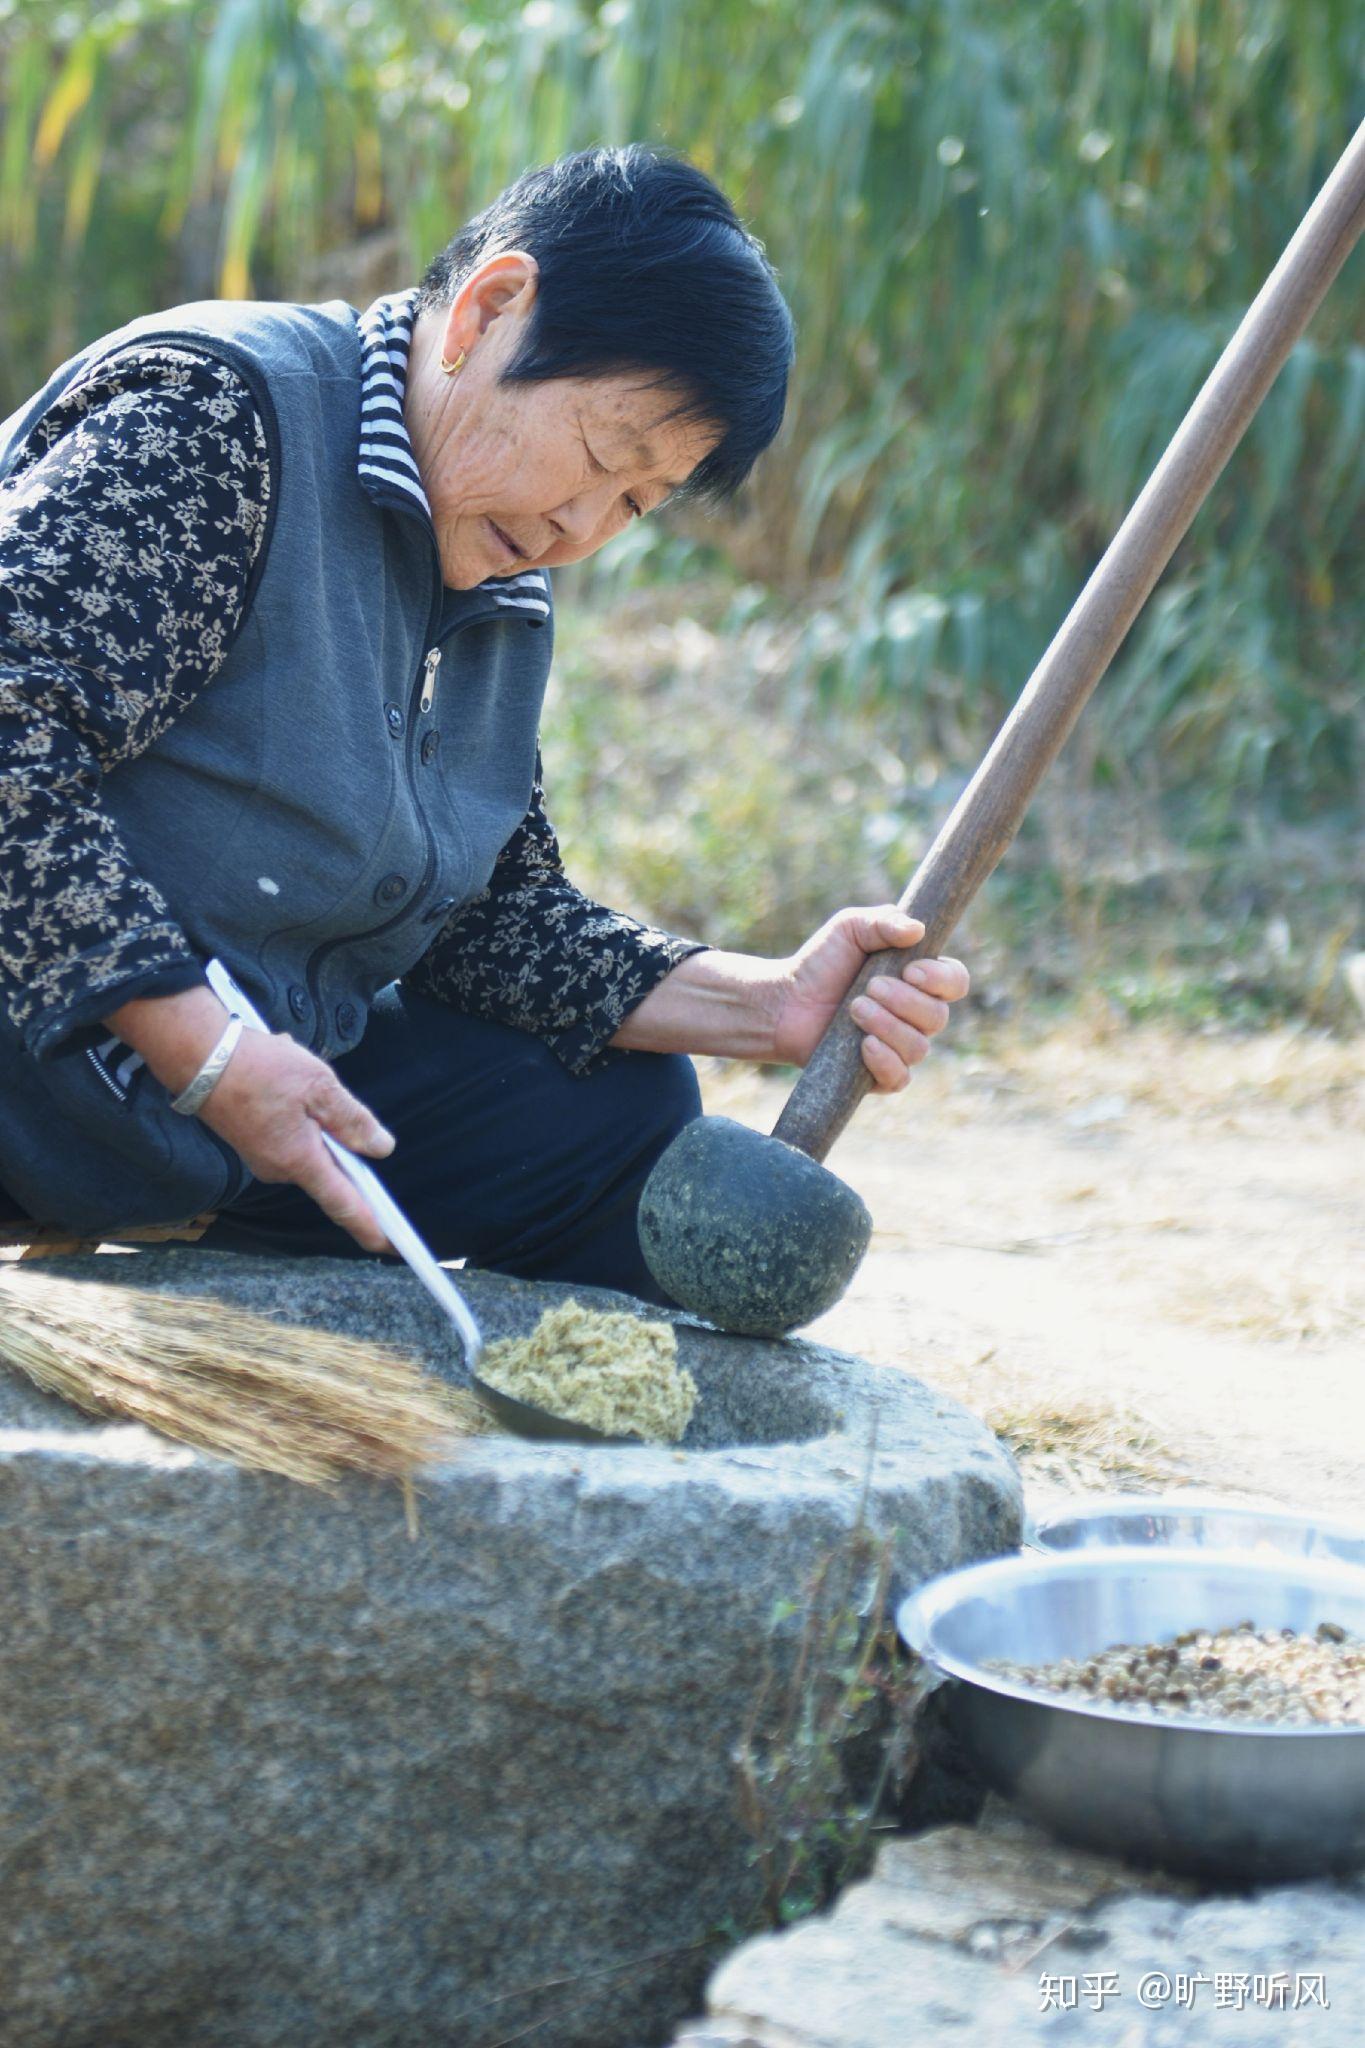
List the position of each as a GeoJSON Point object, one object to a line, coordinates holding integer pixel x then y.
{"type": "Point", "coordinates": [346, 1019]}
{"type": "Point", "coordinates": [394, 719]}
{"type": "Point", "coordinates": [441, 909]}
{"type": "Point", "coordinates": [299, 1005]}
{"type": "Point", "coordinates": [430, 742]}
{"type": "Point", "coordinates": [391, 888]}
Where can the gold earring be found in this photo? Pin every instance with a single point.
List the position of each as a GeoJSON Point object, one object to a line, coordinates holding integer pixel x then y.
{"type": "Point", "coordinates": [451, 368]}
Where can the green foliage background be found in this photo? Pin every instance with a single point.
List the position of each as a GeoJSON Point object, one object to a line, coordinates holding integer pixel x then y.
{"type": "Point", "coordinates": [1015, 237]}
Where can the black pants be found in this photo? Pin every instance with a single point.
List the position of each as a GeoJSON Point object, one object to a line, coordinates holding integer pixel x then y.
{"type": "Point", "coordinates": [503, 1157]}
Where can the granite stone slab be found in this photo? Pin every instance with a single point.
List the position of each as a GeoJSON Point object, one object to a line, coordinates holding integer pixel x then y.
{"type": "Point", "coordinates": [997, 1934]}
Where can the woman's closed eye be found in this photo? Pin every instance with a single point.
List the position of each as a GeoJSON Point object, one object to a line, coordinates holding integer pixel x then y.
{"type": "Point", "coordinates": [637, 509]}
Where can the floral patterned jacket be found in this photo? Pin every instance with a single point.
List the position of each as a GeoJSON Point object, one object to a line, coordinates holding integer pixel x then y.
{"type": "Point", "coordinates": [130, 535]}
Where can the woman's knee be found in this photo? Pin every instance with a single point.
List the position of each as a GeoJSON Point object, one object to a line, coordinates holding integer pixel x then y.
{"type": "Point", "coordinates": [655, 1094]}
{"type": "Point", "coordinates": [678, 1091]}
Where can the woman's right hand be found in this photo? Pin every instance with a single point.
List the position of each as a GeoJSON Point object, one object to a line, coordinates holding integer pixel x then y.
{"type": "Point", "coordinates": [272, 1103]}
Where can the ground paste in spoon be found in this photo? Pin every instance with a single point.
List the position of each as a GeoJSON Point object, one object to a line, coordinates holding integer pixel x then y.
{"type": "Point", "coordinates": [614, 1372]}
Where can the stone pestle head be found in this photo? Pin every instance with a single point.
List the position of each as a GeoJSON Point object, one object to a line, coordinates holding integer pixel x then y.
{"type": "Point", "coordinates": [748, 1232]}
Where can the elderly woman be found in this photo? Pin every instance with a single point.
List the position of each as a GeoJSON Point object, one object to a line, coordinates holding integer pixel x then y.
{"type": "Point", "coordinates": [275, 628]}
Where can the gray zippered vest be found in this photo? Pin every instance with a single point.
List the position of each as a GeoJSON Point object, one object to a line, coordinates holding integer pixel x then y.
{"type": "Point", "coordinates": [344, 782]}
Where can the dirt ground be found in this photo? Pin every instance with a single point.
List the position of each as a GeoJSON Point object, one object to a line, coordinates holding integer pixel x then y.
{"type": "Point", "coordinates": [1140, 1256]}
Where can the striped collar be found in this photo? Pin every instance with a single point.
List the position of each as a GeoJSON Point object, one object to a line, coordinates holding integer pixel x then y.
{"type": "Point", "coordinates": [387, 467]}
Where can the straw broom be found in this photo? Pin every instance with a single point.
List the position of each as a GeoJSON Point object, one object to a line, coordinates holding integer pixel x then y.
{"type": "Point", "coordinates": [300, 1402]}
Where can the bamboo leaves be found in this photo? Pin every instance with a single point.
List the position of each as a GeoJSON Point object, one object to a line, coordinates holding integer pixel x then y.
{"type": "Point", "coordinates": [1014, 239]}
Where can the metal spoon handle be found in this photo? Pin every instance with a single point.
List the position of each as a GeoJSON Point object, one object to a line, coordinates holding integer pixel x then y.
{"type": "Point", "coordinates": [402, 1235]}
{"type": "Point", "coordinates": [409, 1245]}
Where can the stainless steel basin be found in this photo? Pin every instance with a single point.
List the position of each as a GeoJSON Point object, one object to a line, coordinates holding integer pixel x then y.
{"type": "Point", "coordinates": [1241, 1802]}
{"type": "Point", "coordinates": [1190, 1521]}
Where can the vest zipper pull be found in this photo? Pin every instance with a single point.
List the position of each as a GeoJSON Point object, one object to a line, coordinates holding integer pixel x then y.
{"type": "Point", "coordinates": [429, 668]}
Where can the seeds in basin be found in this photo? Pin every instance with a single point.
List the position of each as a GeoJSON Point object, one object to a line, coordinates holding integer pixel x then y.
{"type": "Point", "coordinates": [1242, 1674]}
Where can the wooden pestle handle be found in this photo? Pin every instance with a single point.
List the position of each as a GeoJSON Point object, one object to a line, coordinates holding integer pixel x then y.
{"type": "Point", "coordinates": [988, 813]}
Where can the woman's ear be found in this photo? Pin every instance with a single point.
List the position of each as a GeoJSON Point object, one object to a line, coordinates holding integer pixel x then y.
{"type": "Point", "coordinates": [501, 285]}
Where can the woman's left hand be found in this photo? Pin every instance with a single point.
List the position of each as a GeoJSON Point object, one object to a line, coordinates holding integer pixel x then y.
{"type": "Point", "coordinates": [899, 1015]}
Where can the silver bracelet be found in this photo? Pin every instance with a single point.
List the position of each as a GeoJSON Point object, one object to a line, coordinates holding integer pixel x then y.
{"type": "Point", "coordinates": [192, 1099]}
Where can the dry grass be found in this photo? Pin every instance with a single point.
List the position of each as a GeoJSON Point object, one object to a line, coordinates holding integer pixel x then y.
{"type": "Point", "coordinates": [1159, 1067]}
{"type": "Point", "coordinates": [1090, 1446]}
{"type": "Point", "coordinates": [1274, 1308]}
{"type": "Point", "coordinates": [299, 1402]}
{"type": "Point", "coordinates": [1065, 1438]}
{"type": "Point", "coordinates": [1154, 1068]}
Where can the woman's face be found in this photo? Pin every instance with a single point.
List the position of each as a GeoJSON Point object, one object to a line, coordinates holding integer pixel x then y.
{"type": "Point", "coordinates": [524, 476]}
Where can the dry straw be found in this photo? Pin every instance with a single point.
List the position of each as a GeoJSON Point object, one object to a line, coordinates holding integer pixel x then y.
{"type": "Point", "coordinates": [300, 1402]}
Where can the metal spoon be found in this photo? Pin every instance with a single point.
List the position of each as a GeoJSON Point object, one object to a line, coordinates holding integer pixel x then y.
{"type": "Point", "coordinates": [408, 1242]}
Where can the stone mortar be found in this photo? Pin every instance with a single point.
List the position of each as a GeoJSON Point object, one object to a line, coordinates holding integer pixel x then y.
{"type": "Point", "coordinates": [277, 1774]}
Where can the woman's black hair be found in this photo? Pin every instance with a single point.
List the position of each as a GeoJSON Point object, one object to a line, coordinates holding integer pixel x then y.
{"type": "Point", "coordinates": [644, 265]}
